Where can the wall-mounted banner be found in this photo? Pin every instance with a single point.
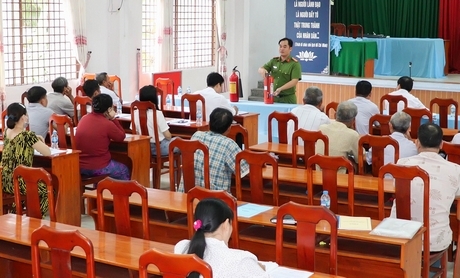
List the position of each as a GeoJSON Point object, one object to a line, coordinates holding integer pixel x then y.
{"type": "Point", "coordinates": [308, 25]}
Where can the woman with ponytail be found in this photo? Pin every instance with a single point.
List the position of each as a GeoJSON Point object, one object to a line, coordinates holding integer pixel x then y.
{"type": "Point", "coordinates": [18, 149]}
{"type": "Point", "coordinates": [210, 242]}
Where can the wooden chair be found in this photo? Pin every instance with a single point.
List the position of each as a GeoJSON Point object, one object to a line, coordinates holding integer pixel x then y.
{"type": "Point", "coordinates": [24, 98]}
{"type": "Point", "coordinates": [239, 134]}
{"type": "Point", "coordinates": [392, 103]}
{"type": "Point", "coordinates": [157, 162]}
{"type": "Point", "coordinates": [187, 150]}
{"type": "Point", "coordinates": [339, 29]}
{"type": "Point", "coordinates": [452, 151]}
{"type": "Point", "coordinates": [31, 177]}
{"type": "Point", "coordinates": [329, 166]}
{"type": "Point", "coordinates": [444, 111]}
{"type": "Point", "coordinates": [60, 243]}
{"type": "Point", "coordinates": [416, 115]}
{"type": "Point", "coordinates": [282, 118]}
{"type": "Point", "coordinates": [173, 265]}
{"type": "Point", "coordinates": [121, 191]}
{"type": "Point", "coordinates": [64, 128]}
{"type": "Point", "coordinates": [200, 193]}
{"type": "Point", "coordinates": [309, 142]}
{"type": "Point", "coordinates": [80, 102]}
{"type": "Point", "coordinates": [457, 257]}
{"type": "Point", "coordinates": [331, 105]}
{"type": "Point", "coordinates": [307, 218]}
{"type": "Point", "coordinates": [257, 161]}
{"type": "Point", "coordinates": [355, 30]}
{"type": "Point", "coordinates": [378, 145]}
{"type": "Point", "coordinates": [166, 85]}
{"type": "Point", "coordinates": [384, 121]}
{"type": "Point", "coordinates": [403, 176]}
{"type": "Point", "coordinates": [79, 91]}
{"type": "Point", "coordinates": [192, 104]}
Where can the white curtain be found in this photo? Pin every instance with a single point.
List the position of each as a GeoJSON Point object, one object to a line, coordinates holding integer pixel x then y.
{"type": "Point", "coordinates": [75, 20]}
{"type": "Point", "coordinates": [221, 39]}
{"type": "Point", "coordinates": [2, 66]}
{"type": "Point", "coordinates": [163, 57]}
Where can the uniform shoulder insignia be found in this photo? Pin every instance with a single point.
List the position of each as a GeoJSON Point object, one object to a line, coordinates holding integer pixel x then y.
{"type": "Point", "coordinates": [294, 59]}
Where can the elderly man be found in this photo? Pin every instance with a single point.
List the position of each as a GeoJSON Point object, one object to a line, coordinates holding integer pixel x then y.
{"type": "Point", "coordinates": [61, 100]}
{"type": "Point", "coordinates": [107, 86]}
{"type": "Point", "coordinates": [222, 152]}
{"type": "Point", "coordinates": [366, 108]}
{"type": "Point", "coordinates": [399, 129]}
{"type": "Point", "coordinates": [444, 185]}
{"type": "Point", "coordinates": [343, 139]}
{"type": "Point", "coordinates": [403, 88]}
{"type": "Point", "coordinates": [310, 115]}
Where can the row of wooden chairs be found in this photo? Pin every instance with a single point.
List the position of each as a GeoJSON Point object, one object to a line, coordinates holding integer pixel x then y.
{"type": "Point", "coordinates": [353, 30]}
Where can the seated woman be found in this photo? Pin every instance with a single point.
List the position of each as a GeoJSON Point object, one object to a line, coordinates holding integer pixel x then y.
{"type": "Point", "coordinates": [213, 230]}
{"type": "Point", "coordinates": [18, 149]}
{"type": "Point", "coordinates": [94, 133]}
{"type": "Point", "coordinates": [149, 93]}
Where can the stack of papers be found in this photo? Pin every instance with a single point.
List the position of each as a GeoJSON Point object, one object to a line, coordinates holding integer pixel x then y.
{"type": "Point", "coordinates": [277, 271]}
{"type": "Point", "coordinates": [53, 151]}
{"type": "Point", "coordinates": [288, 219]}
{"type": "Point", "coordinates": [399, 228]}
{"type": "Point", "coordinates": [180, 122]}
{"type": "Point", "coordinates": [250, 210]}
{"type": "Point", "coordinates": [354, 223]}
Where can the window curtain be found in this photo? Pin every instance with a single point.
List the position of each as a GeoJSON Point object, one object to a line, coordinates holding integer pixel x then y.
{"type": "Point", "coordinates": [221, 39]}
{"type": "Point", "coordinates": [2, 65]}
{"type": "Point", "coordinates": [75, 20]}
{"type": "Point", "coordinates": [163, 59]}
{"type": "Point", "coordinates": [449, 22]}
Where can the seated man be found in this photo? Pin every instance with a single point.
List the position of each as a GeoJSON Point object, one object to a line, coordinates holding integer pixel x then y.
{"type": "Point", "coordinates": [107, 86]}
{"type": "Point", "coordinates": [212, 95]}
{"type": "Point", "coordinates": [366, 108]}
{"type": "Point", "coordinates": [61, 100]}
{"type": "Point", "coordinates": [404, 87]}
{"type": "Point", "coordinates": [444, 185]}
{"type": "Point", "coordinates": [310, 115]}
{"type": "Point", "coordinates": [91, 88]}
{"type": "Point", "coordinates": [39, 114]}
{"type": "Point", "coordinates": [343, 139]}
{"type": "Point", "coordinates": [222, 152]}
{"type": "Point", "coordinates": [400, 131]}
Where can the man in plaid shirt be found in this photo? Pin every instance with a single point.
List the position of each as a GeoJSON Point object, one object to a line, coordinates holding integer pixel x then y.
{"type": "Point", "coordinates": [222, 152]}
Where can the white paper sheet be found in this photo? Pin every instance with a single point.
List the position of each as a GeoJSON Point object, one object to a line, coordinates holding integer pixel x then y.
{"type": "Point", "coordinates": [249, 210]}
{"type": "Point", "coordinates": [53, 151]}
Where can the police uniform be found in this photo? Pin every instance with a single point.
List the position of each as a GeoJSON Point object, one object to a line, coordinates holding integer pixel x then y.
{"type": "Point", "coordinates": [283, 72]}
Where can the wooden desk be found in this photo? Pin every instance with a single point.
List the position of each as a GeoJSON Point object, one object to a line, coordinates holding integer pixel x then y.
{"type": "Point", "coordinates": [134, 151]}
{"type": "Point", "coordinates": [65, 171]}
{"type": "Point", "coordinates": [185, 130]}
{"type": "Point", "coordinates": [449, 133]}
{"type": "Point", "coordinates": [362, 263]}
{"type": "Point", "coordinates": [277, 148]}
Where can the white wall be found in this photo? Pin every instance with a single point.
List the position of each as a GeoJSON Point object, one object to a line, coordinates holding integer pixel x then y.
{"type": "Point", "coordinates": [253, 30]}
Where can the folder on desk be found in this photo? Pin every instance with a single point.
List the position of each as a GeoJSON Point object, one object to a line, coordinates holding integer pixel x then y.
{"type": "Point", "coordinates": [399, 228]}
{"type": "Point", "coordinates": [354, 223]}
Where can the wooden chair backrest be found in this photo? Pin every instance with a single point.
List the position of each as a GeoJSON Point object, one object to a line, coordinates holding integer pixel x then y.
{"type": "Point", "coordinates": [329, 166]}
{"type": "Point", "coordinates": [82, 102]}
{"type": "Point", "coordinates": [64, 127]}
{"type": "Point", "coordinates": [355, 30]}
{"type": "Point", "coordinates": [444, 111]}
{"type": "Point", "coordinates": [309, 142]}
{"type": "Point", "coordinates": [378, 145]}
{"type": "Point", "coordinates": [383, 120]}
{"type": "Point", "coordinates": [240, 135]}
{"type": "Point", "coordinates": [79, 91]}
{"type": "Point", "coordinates": [173, 265]}
{"type": "Point", "coordinates": [166, 85]}
{"type": "Point", "coordinates": [452, 151]}
{"type": "Point", "coordinates": [392, 103]}
{"type": "Point", "coordinates": [121, 191]}
{"type": "Point", "coordinates": [307, 218]}
{"type": "Point", "coordinates": [339, 29]}
{"type": "Point", "coordinates": [416, 117]}
{"type": "Point", "coordinates": [24, 98]}
{"type": "Point", "coordinates": [60, 243]}
{"type": "Point", "coordinates": [282, 118]}
{"type": "Point", "coordinates": [187, 150]}
{"type": "Point", "coordinates": [31, 177]}
{"type": "Point", "coordinates": [192, 104]}
{"type": "Point", "coordinates": [331, 105]}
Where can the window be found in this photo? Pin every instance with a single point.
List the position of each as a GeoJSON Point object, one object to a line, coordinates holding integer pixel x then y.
{"type": "Point", "coordinates": [194, 33]}
{"type": "Point", "coordinates": [149, 36]}
{"type": "Point", "coordinates": [35, 42]}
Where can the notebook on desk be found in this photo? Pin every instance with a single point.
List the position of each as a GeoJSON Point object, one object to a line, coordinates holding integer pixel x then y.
{"type": "Point", "coordinates": [399, 228]}
{"type": "Point", "coordinates": [288, 219]}
{"type": "Point", "coordinates": [242, 112]}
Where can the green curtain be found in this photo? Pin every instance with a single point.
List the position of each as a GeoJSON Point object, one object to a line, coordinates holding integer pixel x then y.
{"type": "Point", "coordinates": [395, 18]}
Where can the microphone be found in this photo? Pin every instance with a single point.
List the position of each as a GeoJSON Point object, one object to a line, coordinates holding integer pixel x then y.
{"type": "Point", "coordinates": [410, 69]}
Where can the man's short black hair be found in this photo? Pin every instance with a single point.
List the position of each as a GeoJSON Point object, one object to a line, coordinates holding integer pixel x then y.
{"type": "Point", "coordinates": [290, 42]}
{"type": "Point", "coordinates": [214, 78]}
{"type": "Point", "coordinates": [90, 87]}
{"type": "Point", "coordinates": [220, 120]}
{"type": "Point", "coordinates": [406, 83]}
{"type": "Point", "coordinates": [430, 135]}
{"type": "Point", "coordinates": [363, 88]}
{"type": "Point", "coordinates": [35, 94]}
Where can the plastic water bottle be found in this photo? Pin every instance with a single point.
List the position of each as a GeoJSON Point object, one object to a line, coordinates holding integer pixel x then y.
{"type": "Point", "coordinates": [452, 111]}
{"type": "Point", "coordinates": [179, 91]}
{"type": "Point", "coordinates": [189, 91]}
{"type": "Point", "coordinates": [168, 101]}
{"type": "Point", "coordinates": [54, 140]}
{"type": "Point", "coordinates": [136, 97]}
{"type": "Point", "coordinates": [119, 107]}
{"type": "Point", "coordinates": [199, 116]}
{"type": "Point", "coordinates": [325, 199]}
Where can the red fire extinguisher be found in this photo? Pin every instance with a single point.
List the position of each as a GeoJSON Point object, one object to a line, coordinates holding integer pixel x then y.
{"type": "Point", "coordinates": [268, 89]}
{"type": "Point", "coordinates": [234, 85]}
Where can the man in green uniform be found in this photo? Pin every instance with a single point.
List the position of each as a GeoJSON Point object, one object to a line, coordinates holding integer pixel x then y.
{"type": "Point", "coordinates": [286, 72]}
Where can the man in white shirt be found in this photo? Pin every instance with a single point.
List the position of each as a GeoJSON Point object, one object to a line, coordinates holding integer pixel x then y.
{"type": "Point", "coordinates": [404, 87]}
{"type": "Point", "coordinates": [107, 86]}
{"type": "Point", "coordinates": [366, 108]}
{"type": "Point", "coordinates": [400, 131]}
{"type": "Point", "coordinates": [212, 95]}
{"type": "Point", "coordinates": [61, 100]}
{"type": "Point", "coordinates": [310, 115]}
{"type": "Point", "coordinates": [444, 185]}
